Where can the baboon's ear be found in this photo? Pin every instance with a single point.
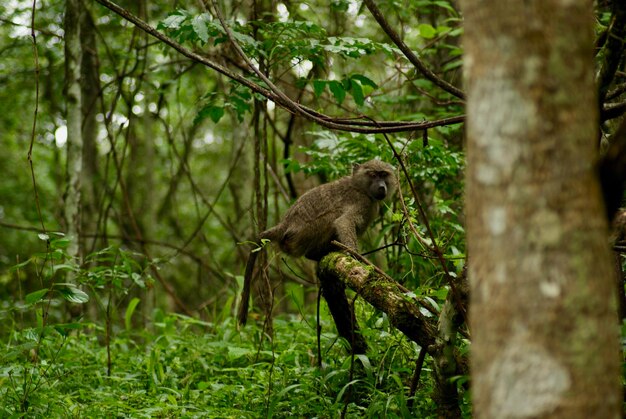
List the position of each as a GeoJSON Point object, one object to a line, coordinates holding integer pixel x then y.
{"type": "Point", "coordinates": [355, 167]}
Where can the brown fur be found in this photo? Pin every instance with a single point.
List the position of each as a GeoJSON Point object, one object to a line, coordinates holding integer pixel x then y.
{"type": "Point", "coordinates": [341, 210]}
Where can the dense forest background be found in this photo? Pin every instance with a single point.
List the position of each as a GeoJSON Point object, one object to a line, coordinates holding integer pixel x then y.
{"type": "Point", "coordinates": [146, 143]}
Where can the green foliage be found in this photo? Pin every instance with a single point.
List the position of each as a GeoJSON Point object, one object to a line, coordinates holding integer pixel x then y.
{"type": "Point", "coordinates": [185, 367]}
{"type": "Point", "coordinates": [357, 85]}
{"type": "Point", "coordinates": [281, 41]}
{"type": "Point", "coordinates": [115, 267]}
{"type": "Point", "coordinates": [182, 366]}
{"type": "Point", "coordinates": [186, 27]}
{"type": "Point", "coordinates": [334, 154]}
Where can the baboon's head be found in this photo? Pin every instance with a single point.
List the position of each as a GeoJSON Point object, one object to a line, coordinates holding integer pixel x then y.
{"type": "Point", "coordinates": [376, 178]}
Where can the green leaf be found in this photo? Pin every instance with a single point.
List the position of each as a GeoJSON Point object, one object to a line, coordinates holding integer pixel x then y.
{"type": "Point", "coordinates": [65, 328]}
{"type": "Point", "coordinates": [357, 93]}
{"type": "Point", "coordinates": [129, 311]}
{"type": "Point", "coordinates": [211, 111]}
{"type": "Point", "coordinates": [240, 106]}
{"type": "Point", "coordinates": [365, 81]}
{"type": "Point", "coordinates": [60, 243]}
{"type": "Point", "coordinates": [452, 65]}
{"type": "Point", "coordinates": [216, 113]}
{"type": "Point", "coordinates": [238, 352]}
{"type": "Point", "coordinates": [318, 87]}
{"type": "Point", "coordinates": [426, 31]}
{"type": "Point", "coordinates": [39, 316]}
{"type": "Point", "coordinates": [337, 90]}
{"type": "Point", "coordinates": [174, 21]}
{"type": "Point", "coordinates": [20, 265]}
{"type": "Point", "coordinates": [199, 25]}
{"type": "Point", "coordinates": [71, 293]}
{"type": "Point", "coordinates": [64, 267]}
{"type": "Point", "coordinates": [36, 296]}
{"type": "Point", "coordinates": [445, 5]}
{"type": "Point", "coordinates": [340, 5]}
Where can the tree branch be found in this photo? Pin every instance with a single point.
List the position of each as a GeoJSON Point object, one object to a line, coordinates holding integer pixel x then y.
{"type": "Point", "coordinates": [384, 295]}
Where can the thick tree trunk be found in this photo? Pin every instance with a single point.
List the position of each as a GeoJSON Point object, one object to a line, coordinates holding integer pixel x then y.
{"type": "Point", "coordinates": [543, 313]}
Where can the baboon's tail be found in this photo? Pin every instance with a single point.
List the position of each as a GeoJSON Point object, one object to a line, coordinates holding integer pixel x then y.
{"type": "Point", "coordinates": [242, 315]}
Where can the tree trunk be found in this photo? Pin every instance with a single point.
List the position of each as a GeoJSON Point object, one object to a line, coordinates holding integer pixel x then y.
{"type": "Point", "coordinates": [73, 57]}
{"type": "Point", "coordinates": [90, 91]}
{"type": "Point", "coordinates": [543, 313]}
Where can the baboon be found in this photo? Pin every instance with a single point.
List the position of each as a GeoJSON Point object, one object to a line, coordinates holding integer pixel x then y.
{"type": "Point", "coordinates": [341, 210]}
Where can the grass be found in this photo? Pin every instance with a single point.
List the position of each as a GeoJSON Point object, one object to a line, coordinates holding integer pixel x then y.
{"type": "Point", "coordinates": [184, 368]}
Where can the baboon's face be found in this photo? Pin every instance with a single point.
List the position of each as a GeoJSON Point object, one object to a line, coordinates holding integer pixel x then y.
{"type": "Point", "coordinates": [376, 178]}
{"type": "Point", "coordinates": [379, 184]}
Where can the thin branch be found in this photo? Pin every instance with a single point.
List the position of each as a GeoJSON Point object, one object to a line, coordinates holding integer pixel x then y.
{"type": "Point", "coordinates": [616, 92]}
{"type": "Point", "coordinates": [612, 111]}
{"type": "Point", "coordinates": [410, 55]}
{"type": "Point", "coordinates": [419, 363]}
{"type": "Point", "coordinates": [197, 259]}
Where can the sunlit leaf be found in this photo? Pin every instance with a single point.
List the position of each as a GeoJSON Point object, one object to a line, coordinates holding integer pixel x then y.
{"type": "Point", "coordinates": [72, 294]}
{"type": "Point", "coordinates": [173, 21]}
{"type": "Point", "coordinates": [426, 31]}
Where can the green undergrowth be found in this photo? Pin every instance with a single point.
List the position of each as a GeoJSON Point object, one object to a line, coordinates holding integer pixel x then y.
{"type": "Point", "coordinates": [182, 367]}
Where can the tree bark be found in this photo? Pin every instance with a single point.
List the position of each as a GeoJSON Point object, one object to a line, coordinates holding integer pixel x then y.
{"type": "Point", "coordinates": [543, 313]}
{"type": "Point", "coordinates": [90, 91]}
{"type": "Point", "coordinates": [73, 57]}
